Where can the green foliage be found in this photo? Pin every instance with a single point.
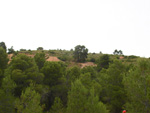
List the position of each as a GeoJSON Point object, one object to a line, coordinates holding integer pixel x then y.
{"type": "Point", "coordinates": [132, 57]}
{"type": "Point", "coordinates": [40, 48]}
{"type": "Point", "coordinates": [29, 101]}
{"type": "Point", "coordinates": [80, 100]}
{"type": "Point", "coordinates": [72, 74]}
{"type": "Point", "coordinates": [93, 104]}
{"type": "Point", "coordinates": [57, 107]}
{"type": "Point", "coordinates": [90, 83]}
{"type": "Point", "coordinates": [53, 71]}
{"type": "Point", "coordinates": [91, 70]}
{"type": "Point", "coordinates": [3, 63]}
{"type": "Point", "coordinates": [2, 44]}
{"type": "Point", "coordinates": [6, 95]}
{"type": "Point", "coordinates": [40, 59]}
{"type": "Point", "coordinates": [60, 90]}
{"type": "Point", "coordinates": [103, 62]}
{"type": "Point", "coordinates": [54, 77]}
{"type": "Point", "coordinates": [23, 50]}
{"type": "Point", "coordinates": [11, 50]}
{"type": "Point", "coordinates": [51, 52]}
{"type": "Point", "coordinates": [23, 71]}
{"type": "Point", "coordinates": [3, 58]}
{"type": "Point", "coordinates": [6, 102]}
{"type": "Point", "coordinates": [113, 91]}
{"type": "Point", "coordinates": [121, 84]}
{"type": "Point", "coordinates": [137, 85]}
{"type": "Point", "coordinates": [80, 53]}
{"type": "Point", "coordinates": [1, 76]}
{"type": "Point", "coordinates": [92, 60]}
{"type": "Point", "coordinates": [8, 84]}
{"type": "Point", "coordinates": [77, 98]}
{"type": "Point", "coordinates": [86, 80]}
{"type": "Point", "coordinates": [65, 57]}
{"type": "Point", "coordinates": [116, 52]}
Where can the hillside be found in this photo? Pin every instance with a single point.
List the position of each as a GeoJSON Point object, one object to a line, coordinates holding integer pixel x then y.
{"type": "Point", "coordinates": [69, 81]}
{"type": "Point", "coordinates": [67, 56]}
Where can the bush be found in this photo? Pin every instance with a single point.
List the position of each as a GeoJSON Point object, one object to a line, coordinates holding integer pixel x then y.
{"type": "Point", "coordinates": [132, 57]}
{"type": "Point", "coordinates": [40, 48]}
{"type": "Point", "coordinates": [63, 58]}
{"type": "Point", "coordinates": [22, 49]}
{"type": "Point", "coordinates": [51, 51]}
{"type": "Point", "coordinates": [92, 60]}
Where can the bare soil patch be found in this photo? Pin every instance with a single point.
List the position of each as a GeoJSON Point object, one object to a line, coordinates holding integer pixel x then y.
{"type": "Point", "coordinates": [87, 64]}
{"type": "Point", "coordinates": [52, 58]}
{"type": "Point", "coordinates": [10, 57]}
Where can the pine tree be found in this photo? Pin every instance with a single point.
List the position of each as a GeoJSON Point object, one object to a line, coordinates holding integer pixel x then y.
{"type": "Point", "coordinates": [29, 101]}
{"type": "Point", "coordinates": [77, 98]}
{"type": "Point", "coordinates": [57, 107]}
{"type": "Point", "coordinates": [40, 59]}
{"type": "Point", "coordinates": [81, 100]}
{"type": "Point", "coordinates": [137, 85]}
{"type": "Point", "coordinates": [94, 105]}
{"type": "Point", "coordinates": [6, 95]}
{"type": "Point", "coordinates": [3, 63]}
{"type": "Point", "coordinates": [113, 93]}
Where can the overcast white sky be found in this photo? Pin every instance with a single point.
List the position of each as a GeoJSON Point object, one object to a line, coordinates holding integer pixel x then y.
{"type": "Point", "coordinates": [100, 25]}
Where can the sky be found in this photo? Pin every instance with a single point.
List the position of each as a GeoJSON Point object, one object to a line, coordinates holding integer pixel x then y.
{"type": "Point", "coordinates": [100, 25]}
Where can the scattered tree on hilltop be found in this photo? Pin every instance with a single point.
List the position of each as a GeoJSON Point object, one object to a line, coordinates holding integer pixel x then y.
{"type": "Point", "coordinates": [40, 48]}
{"type": "Point", "coordinates": [11, 50]}
{"type": "Point", "coordinates": [80, 53]}
{"type": "Point", "coordinates": [116, 52]}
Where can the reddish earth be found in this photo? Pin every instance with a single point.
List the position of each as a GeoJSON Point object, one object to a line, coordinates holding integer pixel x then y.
{"type": "Point", "coordinates": [87, 64]}
{"type": "Point", "coordinates": [48, 58]}
{"type": "Point", "coordinates": [53, 58]}
{"type": "Point", "coordinates": [10, 57]}
{"type": "Point", "coordinates": [121, 57]}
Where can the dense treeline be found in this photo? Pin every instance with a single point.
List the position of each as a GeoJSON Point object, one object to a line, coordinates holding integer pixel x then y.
{"type": "Point", "coordinates": [34, 85]}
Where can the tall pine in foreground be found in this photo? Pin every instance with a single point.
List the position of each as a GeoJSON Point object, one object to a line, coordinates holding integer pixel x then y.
{"type": "Point", "coordinates": [137, 85]}
{"type": "Point", "coordinates": [7, 99]}
{"type": "Point", "coordinates": [57, 107]}
{"type": "Point", "coordinates": [29, 101]}
{"type": "Point", "coordinates": [3, 63]}
{"type": "Point", "coordinates": [113, 93]}
{"type": "Point", "coordinates": [80, 100]}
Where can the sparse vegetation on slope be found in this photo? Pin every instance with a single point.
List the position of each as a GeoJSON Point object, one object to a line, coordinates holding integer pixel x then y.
{"type": "Point", "coordinates": [54, 81]}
